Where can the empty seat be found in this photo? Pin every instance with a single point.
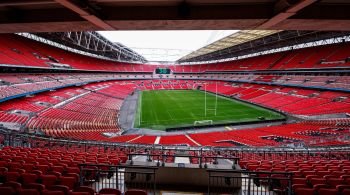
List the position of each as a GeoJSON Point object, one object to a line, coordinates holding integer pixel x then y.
{"type": "Point", "coordinates": [3, 163]}
{"type": "Point", "coordinates": [12, 176]}
{"type": "Point", "coordinates": [28, 192]}
{"type": "Point", "coordinates": [85, 189]}
{"type": "Point", "coordinates": [79, 193]}
{"type": "Point", "coordinates": [7, 191]}
{"type": "Point", "coordinates": [29, 178]}
{"type": "Point", "coordinates": [55, 173]}
{"type": "Point", "coordinates": [68, 181]}
{"type": "Point", "coordinates": [135, 192]}
{"type": "Point", "coordinates": [61, 188]}
{"type": "Point", "coordinates": [319, 186]}
{"type": "Point", "coordinates": [346, 191]}
{"type": "Point", "coordinates": [325, 191]}
{"type": "Point", "coordinates": [333, 182]}
{"type": "Point", "coordinates": [323, 173]}
{"type": "Point", "coordinates": [59, 169]}
{"type": "Point", "coordinates": [315, 181]}
{"type": "Point", "coordinates": [14, 185]}
{"type": "Point", "coordinates": [47, 192]}
{"type": "Point", "coordinates": [37, 172]}
{"type": "Point", "coordinates": [28, 167]}
{"type": "Point", "coordinates": [299, 181]}
{"type": "Point", "coordinates": [296, 186]}
{"type": "Point", "coordinates": [110, 191]}
{"type": "Point", "coordinates": [73, 170]}
{"type": "Point", "coordinates": [14, 166]}
{"type": "Point", "coordinates": [48, 180]}
{"type": "Point", "coordinates": [43, 168]}
{"type": "Point", "coordinates": [37, 186]}
{"type": "Point", "coordinates": [75, 175]}
{"type": "Point", "coordinates": [340, 188]}
{"type": "Point", "coordinates": [304, 191]}
{"type": "Point", "coordinates": [3, 171]}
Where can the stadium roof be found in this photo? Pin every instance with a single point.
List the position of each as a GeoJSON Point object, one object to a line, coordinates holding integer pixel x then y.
{"type": "Point", "coordinates": [94, 15]}
{"type": "Point", "coordinates": [91, 43]}
{"type": "Point", "coordinates": [231, 40]}
{"type": "Point", "coordinates": [266, 44]}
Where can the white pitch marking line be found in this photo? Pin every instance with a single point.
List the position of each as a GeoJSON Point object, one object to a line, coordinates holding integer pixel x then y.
{"type": "Point", "coordinates": [170, 115]}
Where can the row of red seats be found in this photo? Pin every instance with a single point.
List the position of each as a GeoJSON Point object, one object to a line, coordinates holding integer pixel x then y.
{"type": "Point", "coordinates": [94, 111]}
{"type": "Point", "coordinates": [328, 81]}
{"type": "Point", "coordinates": [311, 176]}
{"type": "Point", "coordinates": [74, 119]}
{"type": "Point", "coordinates": [9, 110]}
{"type": "Point", "coordinates": [292, 100]}
{"type": "Point", "coordinates": [280, 135]}
{"type": "Point", "coordinates": [15, 188]}
{"type": "Point", "coordinates": [24, 83]}
{"type": "Point", "coordinates": [47, 170]}
{"type": "Point", "coordinates": [17, 50]}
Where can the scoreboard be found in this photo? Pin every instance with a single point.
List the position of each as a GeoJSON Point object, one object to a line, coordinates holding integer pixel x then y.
{"type": "Point", "coordinates": [162, 70]}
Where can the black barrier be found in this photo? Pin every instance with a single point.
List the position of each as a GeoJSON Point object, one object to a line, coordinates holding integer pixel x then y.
{"type": "Point", "coordinates": [203, 160]}
{"type": "Point", "coordinates": [100, 176]}
{"type": "Point", "coordinates": [249, 182]}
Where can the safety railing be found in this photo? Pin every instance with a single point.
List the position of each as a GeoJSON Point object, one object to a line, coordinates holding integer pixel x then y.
{"type": "Point", "coordinates": [239, 182]}
{"type": "Point", "coordinates": [99, 176]}
{"type": "Point", "coordinates": [13, 138]}
{"type": "Point", "coordinates": [236, 182]}
{"type": "Point", "coordinates": [203, 160]}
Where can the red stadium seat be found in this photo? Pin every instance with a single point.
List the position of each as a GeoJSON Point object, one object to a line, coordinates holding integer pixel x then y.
{"type": "Point", "coordinates": [14, 185]}
{"type": "Point", "coordinates": [36, 186]}
{"type": "Point", "coordinates": [29, 178]}
{"type": "Point", "coordinates": [110, 191]}
{"type": "Point", "coordinates": [48, 180]}
{"type": "Point", "coordinates": [12, 176]}
{"type": "Point", "coordinates": [304, 191]}
{"type": "Point", "coordinates": [68, 181]}
{"type": "Point", "coordinates": [79, 193]}
{"type": "Point", "coordinates": [28, 192]}
{"type": "Point", "coordinates": [46, 192]}
{"type": "Point", "coordinates": [61, 188]}
{"type": "Point", "coordinates": [85, 189]}
{"type": "Point", "coordinates": [7, 191]}
{"type": "Point", "coordinates": [135, 192]}
{"type": "Point", "coordinates": [325, 191]}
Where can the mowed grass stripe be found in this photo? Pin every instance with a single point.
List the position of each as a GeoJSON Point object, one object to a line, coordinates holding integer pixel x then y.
{"type": "Point", "coordinates": [177, 108]}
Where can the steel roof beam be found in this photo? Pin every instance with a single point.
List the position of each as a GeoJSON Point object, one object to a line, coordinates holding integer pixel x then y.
{"type": "Point", "coordinates": [24, 2]}
{"type": "Point", "coordinates": [86, 15]}
{"type": "Point", "coordinates": [283, 15]}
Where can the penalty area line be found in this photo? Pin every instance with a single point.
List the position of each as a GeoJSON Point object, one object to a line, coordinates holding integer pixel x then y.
{"type": "Point", "coordinates": [170, 115]}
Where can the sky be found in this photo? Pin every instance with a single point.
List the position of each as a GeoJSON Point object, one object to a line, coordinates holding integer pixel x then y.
{"type": "Point", "coordinates": [165, 45]}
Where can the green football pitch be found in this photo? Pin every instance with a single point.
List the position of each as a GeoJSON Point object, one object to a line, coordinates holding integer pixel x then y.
{"type": "Point", "coordinates": [181, 108]}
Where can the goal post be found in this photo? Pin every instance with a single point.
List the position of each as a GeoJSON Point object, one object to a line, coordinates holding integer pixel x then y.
{"type": "Point", "coordinates": [203, 122]}
{"type": "Point", "coordinates": [205, 100]}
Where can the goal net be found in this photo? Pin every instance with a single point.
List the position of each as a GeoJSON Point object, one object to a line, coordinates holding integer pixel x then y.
{"type": "Point", "coordinates": [203, 122]}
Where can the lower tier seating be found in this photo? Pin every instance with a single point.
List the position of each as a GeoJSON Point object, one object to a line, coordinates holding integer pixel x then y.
{"type": "Point", "coordinates": [90, 112]}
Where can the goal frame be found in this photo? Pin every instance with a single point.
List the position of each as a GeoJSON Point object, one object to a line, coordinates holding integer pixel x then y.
{"type": "Point", "coordinates": [203, 122]}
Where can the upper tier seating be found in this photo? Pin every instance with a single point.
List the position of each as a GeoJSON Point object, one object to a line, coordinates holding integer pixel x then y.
{"type": "Point", "coordinates": [12, 85]}
{"type": "Point", "coordinates": [20, 51]}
